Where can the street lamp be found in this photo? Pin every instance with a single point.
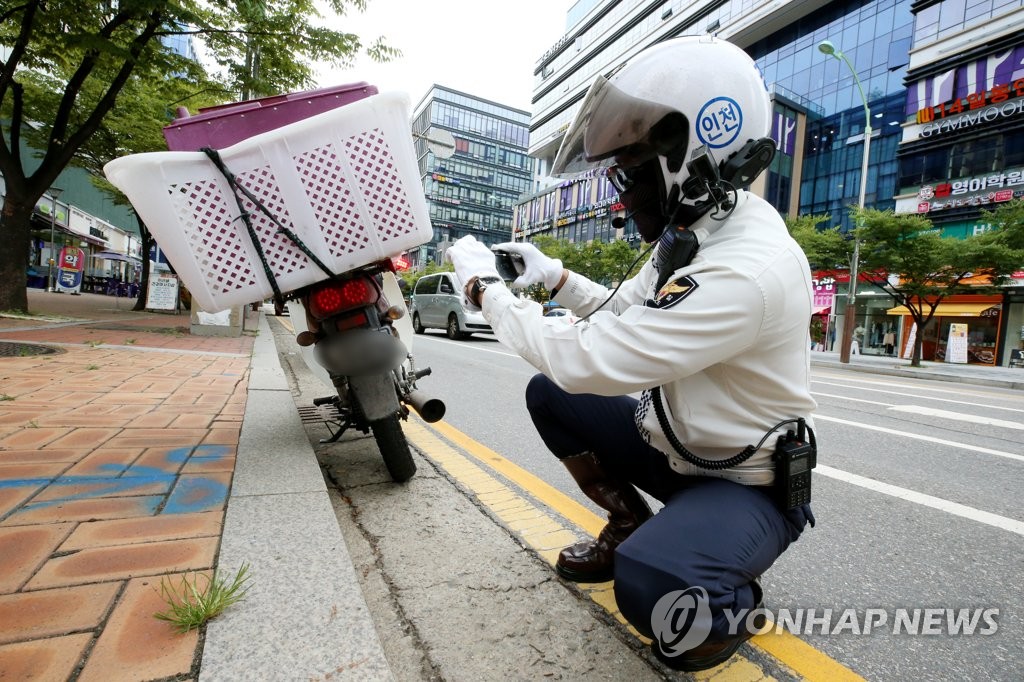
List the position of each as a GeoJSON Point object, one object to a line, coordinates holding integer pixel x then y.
{"type": "Point", "coordinates": [826, 47]}
{"type": "Point", "coordinates": [54, 193]}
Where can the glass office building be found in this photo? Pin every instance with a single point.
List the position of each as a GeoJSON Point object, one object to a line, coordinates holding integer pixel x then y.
{"type": "Point", "coordinates": [819, 115]}
{"type": "Point", "coordinates": [473, 191]}
{"type": "Point", "coordinates": [876, 38]}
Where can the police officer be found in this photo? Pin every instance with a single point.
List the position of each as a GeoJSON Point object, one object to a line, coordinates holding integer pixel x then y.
{"type": "Point", "coordinates": [712, 333]}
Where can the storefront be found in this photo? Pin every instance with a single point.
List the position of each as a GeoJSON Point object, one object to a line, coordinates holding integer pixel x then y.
{"type": "Point", "coordinates": [982, 316]}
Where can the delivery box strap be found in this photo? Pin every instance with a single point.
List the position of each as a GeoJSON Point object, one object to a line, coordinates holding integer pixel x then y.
{"type": "Point", "coordinates": [236, 187]}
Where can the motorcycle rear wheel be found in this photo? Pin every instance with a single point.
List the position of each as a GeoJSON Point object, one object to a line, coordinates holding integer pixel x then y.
{"type": "Point", "coordinates": [394, 448]}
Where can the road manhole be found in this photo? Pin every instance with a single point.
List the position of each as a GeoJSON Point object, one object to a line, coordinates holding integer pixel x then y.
{"type": "Point", "coordinates": [12, 349]}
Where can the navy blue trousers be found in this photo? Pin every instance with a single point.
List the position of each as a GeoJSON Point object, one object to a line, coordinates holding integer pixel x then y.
{"type": "Point", "coordinates": [711, 533]}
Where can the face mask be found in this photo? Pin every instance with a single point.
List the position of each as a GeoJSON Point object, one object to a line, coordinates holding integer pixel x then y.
{"type": "Point", "coordinates": [640, 190]}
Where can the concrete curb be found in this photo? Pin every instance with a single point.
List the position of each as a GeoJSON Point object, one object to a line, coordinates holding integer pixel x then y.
{"type": "Point", "coordinates": [980, 379]}
{"type": "Point", "coordinates": [304, 616]}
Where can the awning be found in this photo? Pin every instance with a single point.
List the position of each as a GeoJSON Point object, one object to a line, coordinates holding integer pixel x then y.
{"type": "Point", "coordinates": [952, 310]}
{"type": "Point", "coordinates": [822, 310]}
{"type": "Point", "coordinates": [114, 255]}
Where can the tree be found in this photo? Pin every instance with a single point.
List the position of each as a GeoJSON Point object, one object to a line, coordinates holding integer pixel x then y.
{"type": "Point", "coordinates": [70, 62]}
{"type": "Point", "coordinates": [826, 249]}
{"type": "Point", "coordinates": [903, 256]}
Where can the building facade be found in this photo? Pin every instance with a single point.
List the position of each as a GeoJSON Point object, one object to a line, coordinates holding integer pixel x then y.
{"type": "Point", "coordinates": [473, 191]}
{"type": "Point", "coordinates": [962, 152]}
{"type": "Point", "coordinates": [944, 89]}
{"type": "Point", "coordinates": [819, 116]}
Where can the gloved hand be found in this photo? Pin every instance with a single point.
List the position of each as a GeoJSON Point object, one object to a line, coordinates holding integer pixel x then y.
{"type": "Point", "coordinates": [538, 268]}
{"type": "Point", "coordinates": [471, 259]}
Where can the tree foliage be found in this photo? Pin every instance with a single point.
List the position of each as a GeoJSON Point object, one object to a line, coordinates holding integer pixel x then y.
{"type": "Point", "coordinates": [903, 256]}
{"type": "Point", "coordinates": [826, 249]}
{"type": "Point", "coordinates": [71, 65]}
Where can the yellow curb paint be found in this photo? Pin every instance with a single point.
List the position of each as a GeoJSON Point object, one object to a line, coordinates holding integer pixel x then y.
{"type": "Point", "coordinates": [789, 650]}
{"type": "Point", "coordinates": [572, 510]}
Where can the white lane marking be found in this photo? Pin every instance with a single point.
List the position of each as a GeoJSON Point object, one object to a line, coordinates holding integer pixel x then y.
{"type": "Point", "coordinates": [849, 399]}
{"type": "Point", "coordinates": [947, 506]}
{"type": "Point", "coordinates": [928, 411]}
{"type": "Point", "coordinates": [915, 436]}
{"type": "Point", "coordinates": [482, 350]}
{"type": "Point", "coordinates": [959, 416]}
{"type": "Point", "coordinates": [920, 397]}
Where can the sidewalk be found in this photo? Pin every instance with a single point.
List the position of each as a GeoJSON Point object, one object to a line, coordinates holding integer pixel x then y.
{"type": "Point", "coordinates": [116, 458]}
{"type": "Point", "coordinates": [139, 452]}
{"type": "Point", "coordinates": [1004, 377]}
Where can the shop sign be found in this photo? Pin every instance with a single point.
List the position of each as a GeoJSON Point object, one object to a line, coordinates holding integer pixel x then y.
{"type": "Point", "coordinates": [993, 78]}
{"type": "Point", "coordinates": [956, 343]}
{"type": "Point", "coordinates": [975, 100]}
{"type": "Point", "coordinates": [987, 115]}
{"type": "Point", "coordinates": [975, 191]}
{"type": "Point", "coordinates": [617, 206]}
{"type": "Point", "coordinates": [70, 269]}
{"type": "Point", "coordinates": [444, 178]}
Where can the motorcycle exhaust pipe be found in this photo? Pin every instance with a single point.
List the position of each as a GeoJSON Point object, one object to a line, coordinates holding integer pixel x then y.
{"type": "Point", "coordinates": [430, 409]}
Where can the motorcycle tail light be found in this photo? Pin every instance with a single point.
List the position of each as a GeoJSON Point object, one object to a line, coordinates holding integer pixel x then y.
{"type": "Point", "coordinates": [336, 297]}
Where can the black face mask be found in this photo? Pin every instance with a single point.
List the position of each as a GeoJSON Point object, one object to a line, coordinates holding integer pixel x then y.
{"type": "Point", "coordinates": [644, 198]}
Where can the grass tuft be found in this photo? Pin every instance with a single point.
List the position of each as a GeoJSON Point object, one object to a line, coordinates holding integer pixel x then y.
{"type": "Point", "coordinates": [191, 605]}
{"type": "Point", "coordinates": [4, 396]}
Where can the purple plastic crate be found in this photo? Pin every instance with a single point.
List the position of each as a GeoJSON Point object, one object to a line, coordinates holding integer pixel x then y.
{"type": "Point", "coordinates": [223, 125]}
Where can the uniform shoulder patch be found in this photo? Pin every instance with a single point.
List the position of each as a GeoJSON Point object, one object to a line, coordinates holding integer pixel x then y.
{"type": "Point", "coordinates": [673, 292]}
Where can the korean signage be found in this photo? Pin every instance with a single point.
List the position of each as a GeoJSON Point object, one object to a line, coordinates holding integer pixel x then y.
{"type": "Point", "coordinates": [991, 78]}
{"type": "Point", "coordinates": [975, 191]}
{"type": "Point", "coordinates": [162, 293]}
{"type": "Point", "coordinates": [70, 267]}
{"type": "Point", "coordinates": [950, 122]}
{"type": "Point", "coordinates": [956, 344]}
{"type": "Point", "coordinates": [824, 292]}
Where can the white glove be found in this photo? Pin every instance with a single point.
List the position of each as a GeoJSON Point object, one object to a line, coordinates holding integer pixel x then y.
{"type": "Point", "coordinates": [471, 259]}
{"type": "Point", "coordinates": [537, 268]}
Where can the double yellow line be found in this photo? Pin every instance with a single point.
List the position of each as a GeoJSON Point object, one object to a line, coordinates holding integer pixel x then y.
{"type": "Point", "coordinates": [547, 533]}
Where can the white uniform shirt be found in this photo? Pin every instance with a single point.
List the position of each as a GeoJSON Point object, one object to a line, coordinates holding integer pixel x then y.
{"type": "Point", "coordinates": [727, 338]}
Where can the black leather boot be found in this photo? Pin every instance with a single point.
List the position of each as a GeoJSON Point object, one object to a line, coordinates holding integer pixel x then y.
{"type": "Point", "coordinates": [593, 561]}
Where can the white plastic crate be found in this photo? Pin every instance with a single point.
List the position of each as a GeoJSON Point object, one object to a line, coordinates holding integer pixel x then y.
{"type": "Point", "coordinates": [345, 182]}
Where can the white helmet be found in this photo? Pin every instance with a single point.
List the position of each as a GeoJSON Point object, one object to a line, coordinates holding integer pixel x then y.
{"type": "Point", "coordinates": [664, 103]}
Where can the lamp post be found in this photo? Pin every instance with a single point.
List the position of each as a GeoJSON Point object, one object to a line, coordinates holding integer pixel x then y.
{"type": "Point", "coordinates": [54, 193]}
{"type": "Point", "coordinates": [826, 47]}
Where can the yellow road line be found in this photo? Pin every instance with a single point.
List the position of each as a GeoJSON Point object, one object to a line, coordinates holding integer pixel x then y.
{"type": "Point", "coordinates": [546, 536]}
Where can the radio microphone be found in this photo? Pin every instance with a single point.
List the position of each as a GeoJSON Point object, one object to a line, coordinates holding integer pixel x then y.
{"type": "Point", "coordinates": [618, 223]}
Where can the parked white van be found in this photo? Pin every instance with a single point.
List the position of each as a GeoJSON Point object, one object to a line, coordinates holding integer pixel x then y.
{"type": "Point", "coordinates": [436, 303]}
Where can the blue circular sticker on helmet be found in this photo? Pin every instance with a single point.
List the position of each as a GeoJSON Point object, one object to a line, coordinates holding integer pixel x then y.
{"type": "Point", "coordinates": [719, 122]}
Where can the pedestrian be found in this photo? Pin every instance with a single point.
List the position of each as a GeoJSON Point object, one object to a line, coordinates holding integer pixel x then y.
{"type": "Point", "coordinates": [712, 332]}
{"type": "Point", "coordinates": [858, 339]}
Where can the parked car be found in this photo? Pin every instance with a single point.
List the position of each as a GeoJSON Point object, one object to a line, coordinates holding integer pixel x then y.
{"type": "Point", "coordinates": [436, 303]}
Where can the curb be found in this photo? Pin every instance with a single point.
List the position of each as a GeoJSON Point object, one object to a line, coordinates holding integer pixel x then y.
{"type": "Point", "coordinates": [304, 616]}
{"type": "Point", "coordinates": [922, 373]}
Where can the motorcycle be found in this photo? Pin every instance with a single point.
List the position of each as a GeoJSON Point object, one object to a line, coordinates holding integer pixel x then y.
{"type": "Point", "coordinates": [354, 334]}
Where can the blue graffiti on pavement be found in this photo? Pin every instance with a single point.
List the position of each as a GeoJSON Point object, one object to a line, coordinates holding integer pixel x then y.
{"type": "Point", "coordinates": [187, 494]}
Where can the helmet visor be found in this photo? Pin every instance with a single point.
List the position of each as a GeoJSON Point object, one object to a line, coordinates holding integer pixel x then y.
{"type": "Point", "coordinates": [613, 128]}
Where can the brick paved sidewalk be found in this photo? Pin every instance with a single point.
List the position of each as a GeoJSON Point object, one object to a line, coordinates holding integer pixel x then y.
{"type": "Point", "coordinates": [116, 458]}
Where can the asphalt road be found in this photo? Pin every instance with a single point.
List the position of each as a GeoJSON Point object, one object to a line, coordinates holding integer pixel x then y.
{"type": "Point", "coordinates": [917, 496]}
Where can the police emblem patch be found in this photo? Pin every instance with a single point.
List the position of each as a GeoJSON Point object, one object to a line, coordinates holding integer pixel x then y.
{"type": "Point", "coordinates": [673, 292]}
